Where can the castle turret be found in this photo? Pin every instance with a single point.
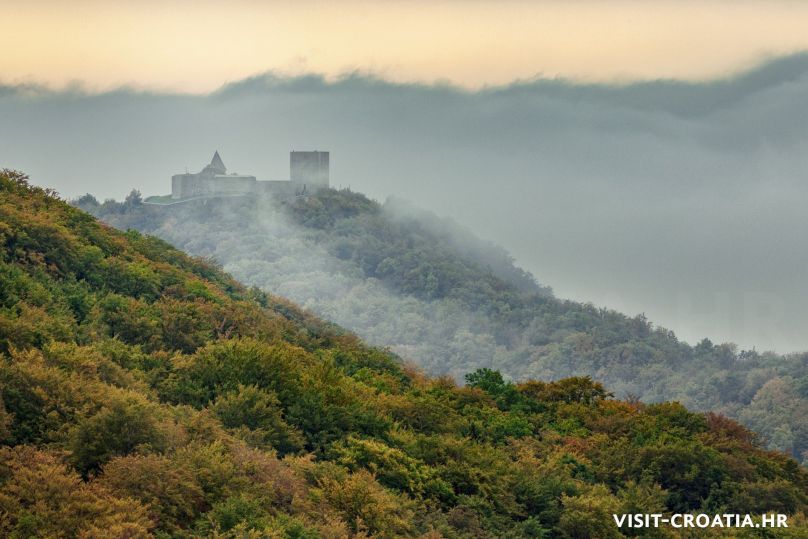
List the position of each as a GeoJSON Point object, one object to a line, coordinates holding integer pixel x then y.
{"type": "Point", "coordinates": [216, 166]}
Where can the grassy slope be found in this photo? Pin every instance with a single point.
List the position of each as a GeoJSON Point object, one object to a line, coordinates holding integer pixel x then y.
{"type": "Point", "coordinates": [146, 393]}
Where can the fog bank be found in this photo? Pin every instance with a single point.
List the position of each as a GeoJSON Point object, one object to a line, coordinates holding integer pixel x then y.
{"type": "Point", "coordinates": [680, 200]}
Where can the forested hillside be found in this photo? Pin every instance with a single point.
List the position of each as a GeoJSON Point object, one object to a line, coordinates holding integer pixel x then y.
{"type": "Point", "coordinates": [145, 393]}
{"type": "Point", "coordinates": [438, 296]}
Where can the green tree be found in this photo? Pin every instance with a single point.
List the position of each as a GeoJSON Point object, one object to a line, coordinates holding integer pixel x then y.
{"type": "Point", "coordinates": [259, 412]}
{"type": "Point", "coordinates": [118, 429]}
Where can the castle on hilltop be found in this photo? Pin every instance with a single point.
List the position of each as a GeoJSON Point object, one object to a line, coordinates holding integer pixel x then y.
{"type": "Point", "coordinates": [308, 172]}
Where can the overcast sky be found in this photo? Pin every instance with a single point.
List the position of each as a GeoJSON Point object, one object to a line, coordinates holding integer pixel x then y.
{"type": "Point", "coordinates": [196, 45]}
{"type": "Point", "coordinates": [681, 198]}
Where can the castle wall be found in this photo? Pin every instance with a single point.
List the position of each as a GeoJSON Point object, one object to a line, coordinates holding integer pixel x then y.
{"type": "Point", "coordinates": [230, 185]}
{"type": "Point", "coordinates": [195, 185]}
{"type": "Point", "coordinates": [183, 185]}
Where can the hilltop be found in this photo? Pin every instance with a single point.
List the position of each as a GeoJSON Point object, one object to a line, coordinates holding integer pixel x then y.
{"type": "Point", "coordinates": [437, 295]}
{"type": "Point", "coordinates": [146, 393]}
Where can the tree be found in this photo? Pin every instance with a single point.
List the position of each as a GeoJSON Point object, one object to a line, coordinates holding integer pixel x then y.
{"type": "Point", "coordinates": [41, 497]}
{"type": "Point", "coordinates": [133, 199]}
{"type": "Point", "coordinates": [259, 412]}
{"type": "Point", "coordinates": [590, 515]}
{"type": "Point", "coordinates": [117, 429]}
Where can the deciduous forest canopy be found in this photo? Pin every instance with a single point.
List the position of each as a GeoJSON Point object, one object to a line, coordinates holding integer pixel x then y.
{"type": "Point", "coordinates": [146, 393]}
{"type": "Point", "coordinates": [401, 277]}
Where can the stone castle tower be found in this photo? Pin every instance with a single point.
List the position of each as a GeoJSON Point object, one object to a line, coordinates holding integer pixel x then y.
{"type": "Point", "coordinates": [309, 169]}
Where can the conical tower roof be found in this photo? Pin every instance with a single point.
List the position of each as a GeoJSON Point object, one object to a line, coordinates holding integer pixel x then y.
{"type": "Point", "coordinates": [217, 165]}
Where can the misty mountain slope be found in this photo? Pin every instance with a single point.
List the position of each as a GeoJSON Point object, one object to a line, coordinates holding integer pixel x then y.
{"type": "Point", "coordinates": [403, 278]}
{"type": "Point", "coordinates": [144, 393]}
{"type": "Point", "coordinates": [680, 199]}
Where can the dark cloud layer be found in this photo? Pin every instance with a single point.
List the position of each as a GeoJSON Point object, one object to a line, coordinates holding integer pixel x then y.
{"type": "Point", "coordinates": [680, 200]}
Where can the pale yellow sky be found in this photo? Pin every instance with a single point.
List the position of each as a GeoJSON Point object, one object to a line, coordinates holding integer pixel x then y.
{"type": "Point", "coordinates": [196, 46]}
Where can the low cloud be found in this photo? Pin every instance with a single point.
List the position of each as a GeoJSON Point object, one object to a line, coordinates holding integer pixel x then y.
{"type": "Point", "coordinates": [681, 200]}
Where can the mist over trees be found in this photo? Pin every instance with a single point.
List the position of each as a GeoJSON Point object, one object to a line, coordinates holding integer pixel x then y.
{"type": "Point", "coordinates": [679, 199]}
{"type": "Point", "coordinates": [144, 393]}
{"type": "Point", "coordinates": [436, 295]}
